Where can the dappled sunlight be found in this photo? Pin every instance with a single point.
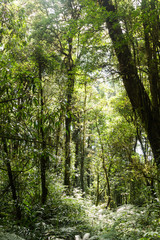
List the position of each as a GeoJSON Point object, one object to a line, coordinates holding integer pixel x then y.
{"type": "Point", "coordinates": [79, 119]}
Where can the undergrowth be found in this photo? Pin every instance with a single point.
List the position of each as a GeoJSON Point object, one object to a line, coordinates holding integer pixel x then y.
{"type": "Point", "coordinates": [129, 222]}
{"type": "Point", "coordinates": [66, 216]}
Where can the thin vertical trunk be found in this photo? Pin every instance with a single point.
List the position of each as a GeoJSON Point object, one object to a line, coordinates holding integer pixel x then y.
{"type": "Point", "coordinates": [44, 157]}
{"type": "Point", "coordinates": [97, 190]}
{"type": "Point", "coordinates": [68, 119]}
{"type": "Point", "coordinates": [57, 142]}
{"type": "Point", "coordinates": [88, 168]}
{"type": "Point", "coordinates": [43, 168]}
{"type": "Point", "coordinates": [82, 168]}
{"type": "Point", "coordinates": [58, 134]}
{"type": "Point", "coordinates": [83, 139]}
{"type": "Point", "coordinates": [104, 168]}
{"type": "Point", "coordinates": [76, 139]}
{"type": "Point", "coordinates": [139, 138]}
{"type": "Point", "coordinates": [11, 182]}
{"type": "Point", "coordinates": [77, 157]}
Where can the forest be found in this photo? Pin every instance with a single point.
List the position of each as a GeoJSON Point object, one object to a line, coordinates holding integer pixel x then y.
{"type": "Point", "coordinates": [80, 119]}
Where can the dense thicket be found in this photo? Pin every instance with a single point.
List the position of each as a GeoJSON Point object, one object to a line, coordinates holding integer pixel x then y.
{"type": "Point", "coordinates": [79, 109]}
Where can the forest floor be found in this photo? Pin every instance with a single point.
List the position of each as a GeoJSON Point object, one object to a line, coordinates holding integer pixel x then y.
{"type": "Point", "coordinates": [70, 218]}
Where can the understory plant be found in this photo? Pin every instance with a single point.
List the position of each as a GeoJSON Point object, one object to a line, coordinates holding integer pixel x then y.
{"type": "Point", "coordinates": [130, 222]}
{"type": "Point", "coordinates": [66, 216]}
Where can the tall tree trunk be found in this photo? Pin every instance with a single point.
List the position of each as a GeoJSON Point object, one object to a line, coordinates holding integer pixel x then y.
{"type": "Point", "coordinates": [11, 182]}
{"type": "Point", "coordinates": [57, 141]}
{"type": "Point", "coordinates": [151, 34]}
{"type": "Point", "coordinates": [83, 138]}
{"type": "Point", "coordinates": [82, 166]}
{"type": "Point", "coordinates": [74, 14]}
{"type": "Point", "coordinates": [76, 139]}
{"type": "Point", "coordinates": [44, 158]}
{"type": "Point", "coordinates": [68, 119]}
{"type": "Point", "coordinates": [133, 85]}
{"type": "Point", "coordinates": [104, 168]}
{"type": "Point", "coordinates": [88, 170]}
{"type": "Point", "coordinates": [58, 132]}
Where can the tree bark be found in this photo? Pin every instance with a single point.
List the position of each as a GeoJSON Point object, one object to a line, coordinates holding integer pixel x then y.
{"type": "Point", "coordinates": [132, 83]}
{"type": "Point", "coordinates": [151, 35]}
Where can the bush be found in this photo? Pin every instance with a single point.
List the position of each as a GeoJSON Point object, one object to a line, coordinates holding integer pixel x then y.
{"type": "Point", "coordinates": [132, 223]}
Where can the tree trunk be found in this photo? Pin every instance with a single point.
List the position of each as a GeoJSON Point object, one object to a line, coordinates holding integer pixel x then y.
{"type": "Point", "coordinates": [133, 85]}
{"type": "Point", "coordinates": [76, 139]}
{"type": "Point", "coordinates": [58, 132]}
{"type": "Point", "coordinates": [58, 142]}
{"type": "Point", "coordinates": [88, 170]}
{"type": "Point", "coordinates": [104, 168]}
{"type": "Point", "coordinates": [83, 137]}
{"type": "Point", "coordinates": [68, 119]}
{"type": "Point", "coordinates": [44, 158]}
{"type": "Point", "coordinates": [97, 190]}
{"type": "Point", "coordinates": [12, 183]}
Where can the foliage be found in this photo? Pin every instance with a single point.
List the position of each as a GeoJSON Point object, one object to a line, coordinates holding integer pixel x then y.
{"type": "Point", "coordinates": [70, 216]}
{"type": "Point", "coordinates": [63, 216]}
{"type": "Point", "coordinates": [130, 222]}
{"type": "Point", "coordinates": [66, 120]}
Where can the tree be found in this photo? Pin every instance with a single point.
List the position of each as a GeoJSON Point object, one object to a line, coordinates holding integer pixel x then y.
{"type": "Point", "coordinates": [64, 27]}
{"type": "Point", "coordinates": [12, 95]}
{"type": "Point", "coordinates": [67, 123]}
{"type": "Point", "coordinates": [147, 109]}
